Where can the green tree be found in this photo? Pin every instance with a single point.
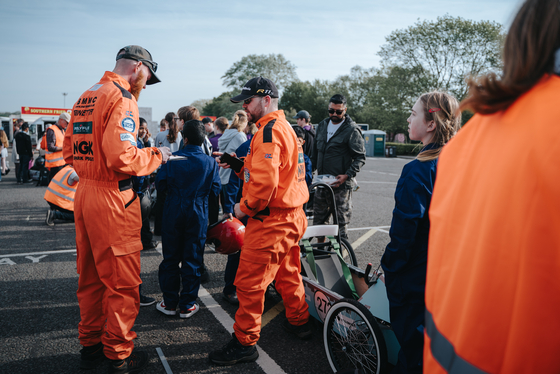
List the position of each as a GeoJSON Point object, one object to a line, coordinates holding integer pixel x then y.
{"type": "Point", "coordinates": [274, 67]}
{"type": "Point", "coordinates": [446, 50]}
{"type": "Point", "coordinates": [312, 97]}
{"type": "Point", "coordinates": [200, 104]}
{"type": "Point", "coordinates": [221, 106]}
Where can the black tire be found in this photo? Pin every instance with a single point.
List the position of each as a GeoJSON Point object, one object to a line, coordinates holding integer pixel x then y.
{"type": "Point", "coordinates": [347, 252]}
{"type": "Point", "coordinates": [353, 340]}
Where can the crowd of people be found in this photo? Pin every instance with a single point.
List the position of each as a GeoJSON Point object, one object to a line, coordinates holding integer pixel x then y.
{"type": "Point", "coordinates": [460, 270]}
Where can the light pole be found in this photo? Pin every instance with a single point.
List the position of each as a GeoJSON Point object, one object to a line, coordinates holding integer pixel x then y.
{"type": "Point", "coordinates": [64, 95]}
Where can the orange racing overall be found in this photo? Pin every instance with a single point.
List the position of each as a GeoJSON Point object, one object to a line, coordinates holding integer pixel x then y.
{"type": "Point", "coordinates": [100, 142]}
{"type": "Point", "coordinates": [273, 195]}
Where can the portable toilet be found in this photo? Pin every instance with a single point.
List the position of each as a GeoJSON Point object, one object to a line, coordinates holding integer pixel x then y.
{"type": "Point", "coordinates": [375, 143]}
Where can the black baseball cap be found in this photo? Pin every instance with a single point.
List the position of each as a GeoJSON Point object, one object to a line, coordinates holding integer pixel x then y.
{"type": "Point", "coordinates": [137, 53]}
{"type": "Point", "coordinates": [303, 114]}
{"type": "Point", "coordinates": [258, 86]}
{"type": "Point", "coordinates": [206, 120]}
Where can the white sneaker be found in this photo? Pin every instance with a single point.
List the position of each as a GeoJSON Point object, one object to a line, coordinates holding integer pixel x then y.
{"type": "Point", "coordinates": [190, 312]}
{"type": "Point", "coordinates": [165, 310]}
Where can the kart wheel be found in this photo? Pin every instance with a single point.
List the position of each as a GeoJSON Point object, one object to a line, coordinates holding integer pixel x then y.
{"type": "Point", "coordinates": [353, 340]}
{"type": "Point", "coordinates": [347, 252]}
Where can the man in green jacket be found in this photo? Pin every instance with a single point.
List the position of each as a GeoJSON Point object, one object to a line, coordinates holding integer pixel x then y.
{"type": "Point", "coordinates": [340, 151]}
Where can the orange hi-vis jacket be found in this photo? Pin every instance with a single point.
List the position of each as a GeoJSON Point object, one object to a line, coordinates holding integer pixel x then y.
{"type": "Point", "coordinates": [44, 142]}
{"type": "Point", "coordinates": [54, 159]}
{"type": "Point", "coordinates": [102, 145]}
{"type": "Point", "coordinates": [492, 287]}
{"type": "Point", "coordinates": [59, 192]}
{"type": "Point", "coordinates": [274, 172]}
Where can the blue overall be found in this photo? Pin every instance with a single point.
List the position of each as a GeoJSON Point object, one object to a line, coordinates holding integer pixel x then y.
{"type": "Point", "coordinates": [185, 222]}
{"type": "Point", "coordinates": [232, 195]}
{"type": "Point", "coordinates": [405, 260]}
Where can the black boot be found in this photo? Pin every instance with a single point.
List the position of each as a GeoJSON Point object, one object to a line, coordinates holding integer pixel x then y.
{"type": "Point", "coordinates": [134, 363]}
{"type": "Point", "coordinates": [233, 352]}
{"type": "Point", "coordinates": [92, 356]}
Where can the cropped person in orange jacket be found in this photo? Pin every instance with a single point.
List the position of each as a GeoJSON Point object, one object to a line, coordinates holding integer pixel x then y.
{"type": "Point", "coordinates": [60, 195]}
{"type": "Point", "coordinates": [101, 144]}
{"type": "Point", "coordinates": [274, 192]}
{"type": "Point", "coordinates": [54, 136]}
{"type": "Point", "coordinates": [492, 291]}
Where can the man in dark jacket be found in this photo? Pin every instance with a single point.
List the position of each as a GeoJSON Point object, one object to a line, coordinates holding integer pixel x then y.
{"type": "Point", "coordinates": [339, 150]}
{"type": "Point", "coordinates": [25, 152]}
{"type": "Point", "coordinates": [304, 121]}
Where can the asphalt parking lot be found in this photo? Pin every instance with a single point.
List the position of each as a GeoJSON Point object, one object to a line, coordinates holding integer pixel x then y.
{"type": "Point", "coordinates": [39, 313]}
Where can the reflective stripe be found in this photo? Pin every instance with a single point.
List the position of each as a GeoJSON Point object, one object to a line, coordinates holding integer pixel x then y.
{"type": "Point", "coordinates": [59, 183]}
{"type": "Point", "coordinates": [444, 353]}
{"type": "Point", "coordinates": [54, 159]}
{"type": "Point", "coordinates": [59, 194]}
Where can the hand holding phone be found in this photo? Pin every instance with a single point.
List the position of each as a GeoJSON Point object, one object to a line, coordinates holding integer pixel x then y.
{"type": "Point", "coordinates": [235, 163]}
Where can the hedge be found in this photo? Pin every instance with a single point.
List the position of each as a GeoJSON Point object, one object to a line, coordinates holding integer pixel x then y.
{"type": "Point", "coordinates": [406, 149]}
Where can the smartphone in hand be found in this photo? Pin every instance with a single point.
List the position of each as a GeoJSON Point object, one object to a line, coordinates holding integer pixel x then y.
{"type": "Point", "coordinates": [235, 163]}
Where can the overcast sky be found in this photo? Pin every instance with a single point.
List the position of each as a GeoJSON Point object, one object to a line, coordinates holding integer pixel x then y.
{"type": "Point", "coordinates": [51, 47]}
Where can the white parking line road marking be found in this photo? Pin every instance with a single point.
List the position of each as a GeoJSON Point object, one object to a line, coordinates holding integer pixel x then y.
{"type": "Point", "coordinates": [363, 238]}
{"type": "Point", "coordinates": [39, 253]}
{"type": "Point", "coordinates": [378, 228]}
{"type": "Point", "coordinates": [265, 361]}
{"type": "Point", "coordinates": [163, 361]}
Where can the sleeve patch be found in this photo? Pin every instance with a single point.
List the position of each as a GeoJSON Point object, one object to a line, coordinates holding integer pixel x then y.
{"type": "Point", "coordinates": [128, 124]}
{"type": "Point", "coordinates": [128, 138]}
{"type": "Point", "coordinates": [267, 132]}
{"type": "Point", "coordinates": [95, 87]}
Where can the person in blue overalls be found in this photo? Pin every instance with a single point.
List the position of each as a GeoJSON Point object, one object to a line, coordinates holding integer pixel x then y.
{"type": "Point", "coordinates": [188, 178]}
{"type": "Point", "coordinates": [434, 120]}
{"type": "Point", "coordinates": [232, 195]}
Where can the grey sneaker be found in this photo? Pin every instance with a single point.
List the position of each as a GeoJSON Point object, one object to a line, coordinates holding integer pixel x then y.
{"type": "Point", "coordinates": [49, 220]}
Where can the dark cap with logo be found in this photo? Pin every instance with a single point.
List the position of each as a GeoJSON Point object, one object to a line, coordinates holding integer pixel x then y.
{"type": "Point", "coordinates": [303, 114]}
{"type": "Point", "coordinates": [258, 86]}
{"type": "Point", "coordinates": [137, 53]}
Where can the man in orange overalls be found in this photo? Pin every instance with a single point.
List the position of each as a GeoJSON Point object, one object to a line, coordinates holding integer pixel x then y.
{"type": "Point", "coordinates": [100, 142]}
{"type": "Point", "coordinates": [273, 195]}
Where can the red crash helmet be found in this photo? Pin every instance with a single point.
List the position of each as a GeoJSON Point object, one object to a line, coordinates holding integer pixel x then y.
{"type": "Point", "coordinates": [227, 235]}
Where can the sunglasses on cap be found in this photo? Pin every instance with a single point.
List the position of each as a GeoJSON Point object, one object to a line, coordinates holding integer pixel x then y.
{"type": "Point", "coordinates": [338, 111]}
{"type": "Point", "coordinates": [151, 63]}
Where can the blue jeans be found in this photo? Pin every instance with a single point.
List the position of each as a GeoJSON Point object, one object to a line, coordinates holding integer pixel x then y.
{"type": "Point", "coordinates": [231, 271]}
{"type": "Point", "coordinates": [62, 214]}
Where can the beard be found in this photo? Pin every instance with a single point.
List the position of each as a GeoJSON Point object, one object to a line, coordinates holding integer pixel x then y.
{"type": "Point", "coordinates": [335, 119]}
{"type": "Point", "coordinates": [137, 86]}
{"type": "Point", "coordinates": [255, 115]}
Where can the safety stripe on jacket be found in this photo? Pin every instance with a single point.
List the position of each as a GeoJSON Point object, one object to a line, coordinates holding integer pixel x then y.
{"type": "Point", "coordinates": [54, 160]}
{"type": "Point", "coordinates": [59, 194]}
{"type": "Point", "coordinates": [59, 183]}
{"type": "Point", "coordinates": [444, 353]}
